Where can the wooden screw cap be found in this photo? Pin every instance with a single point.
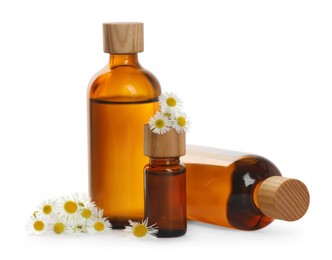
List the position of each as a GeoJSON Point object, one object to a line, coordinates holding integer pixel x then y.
{"type": "Point", "coordinates": [122, 38]}
{"type": "Point", "coordinates": [170, 144]}
{"type": "Point", "coordinates": [282, 198]}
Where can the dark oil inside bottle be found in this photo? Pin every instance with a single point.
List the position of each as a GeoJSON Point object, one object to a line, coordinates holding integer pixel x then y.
{"type": "Point", "coordinates": [242, 212]}
{"type": "Point", "coordinates": [117, 159]}
{"type": "Point", "coordinates": [165, 201]}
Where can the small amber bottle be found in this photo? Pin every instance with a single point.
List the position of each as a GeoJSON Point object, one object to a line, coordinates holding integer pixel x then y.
{"type": "Point", "coordinates": [122, 98]}
{"type": "Point", "coordinates": [165, 182]}
{"type": "Point", "coordinates": [239, 190]}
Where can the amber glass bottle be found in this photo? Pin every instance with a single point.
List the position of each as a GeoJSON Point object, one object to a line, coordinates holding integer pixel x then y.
{"type": "Point", "coordinates": [122, 98]}
{"type": "Point", "coordinates": [239, 190]}
{"type": "Point", "coordinates": [165, 183]}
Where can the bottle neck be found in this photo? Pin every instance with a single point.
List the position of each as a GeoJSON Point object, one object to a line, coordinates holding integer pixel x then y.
{"type": "Point", "coordinates": [255, 193]}
{"type": "Point", "coordinates": [165, 161]}
{"type": "Point", "coordinates": [123, 60]}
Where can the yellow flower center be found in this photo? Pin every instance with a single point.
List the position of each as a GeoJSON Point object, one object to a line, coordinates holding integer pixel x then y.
{"type": "Point", "coordinates": [160, 123]}
{"type": "Point", "coordinates": [171, 102]}
{"type": "Point", "coordinates": [99, 226]}
{"type": "Point", "coordinates": [39, 225]}
{"type": "Point", "coordinates": [181, 121]}
{"type": "Point", "coordinates": [59, 228]}
{"type": "Point", "coordinates": [86, 213]}
{"type": "Point", "coordinates": [47, 209]}
{"type": "Point", "coordinates": [140, 230]}
{"type": "Point", "coordinates": [70, 206]}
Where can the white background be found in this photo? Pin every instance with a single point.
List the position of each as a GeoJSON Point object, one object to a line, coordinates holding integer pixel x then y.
{"type": "Point", "coordinates": [254, 75]}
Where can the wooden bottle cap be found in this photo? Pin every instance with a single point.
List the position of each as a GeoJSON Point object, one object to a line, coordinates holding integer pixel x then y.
{"type": "Point", "coordinates": [282, 198]}
{"type": "Point", "coordinates": [122, 38]}
{"type": "Point", "coordinates": [170, 144]}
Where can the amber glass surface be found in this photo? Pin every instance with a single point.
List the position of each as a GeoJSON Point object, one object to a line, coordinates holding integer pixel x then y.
{"type": "Point", "coordinates": [165, 196]}
{"type": "Point", "coordinates": [122, 98]}
{"type": "Point", "coordinates": [225, 195]}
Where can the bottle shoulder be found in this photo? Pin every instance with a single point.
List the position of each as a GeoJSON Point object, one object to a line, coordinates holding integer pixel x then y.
{"type": "Point", "coordinates": [124, 84]}
{"type": "Point", "coordinates": [165, 169]}
{"type": "Point", "coordinates": [224, 158]}
{"type": "Point", "coordinates": [248, 173]}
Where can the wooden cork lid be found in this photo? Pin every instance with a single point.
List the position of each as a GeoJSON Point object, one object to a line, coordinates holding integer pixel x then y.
{"type": "Point", "coordinates": [123, 38]}
{"type": "Point", "coordinates": [170, 144]}
{"type": "Point", "coordinates": [283, 198]}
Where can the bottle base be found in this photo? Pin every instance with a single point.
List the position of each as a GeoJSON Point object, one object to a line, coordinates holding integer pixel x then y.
{"type": "Point", "coordinates": [170, 233]}
{"type": "Point", "coordinates": [121, 224]}
{"type": "Point", "coordinates": [118, 224]}
{"type": "Point", "coordinates": [118, 227]}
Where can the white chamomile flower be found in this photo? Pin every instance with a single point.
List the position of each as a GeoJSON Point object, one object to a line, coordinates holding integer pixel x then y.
{"type": "Point", "coordinates": [87, 212]}
{"type": "Point", "coordinates": [85, 201]}
{"type": "Point", "coordinates": [47, 209]}
{"type": "Point", "coordinates": [170, 103]}
{"type": "Point", "coordinates": [159, 123]}
{"type": "Point", "coordinates": [37, 225]}
{"type": "Point", "coordinates": [61, 225]}
{"type": "Point", "coordinates": [69, 207]}
{"type": "Point", "coordinates": [141, 229]}
{"type": "Point", "coordinates": [99, 213]}
{"type": "Point", "coordinates": [98, 225]}
{"type": "Point", "coordinates": [71, 214]}
{"type": "Point", "coordinates": [180, 123]}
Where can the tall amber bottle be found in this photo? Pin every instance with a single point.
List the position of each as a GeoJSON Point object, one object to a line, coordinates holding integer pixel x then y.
{"type": "Point", "coordinates": [165, 182]}
{"type": "Point", "coordinates": [239, 190]}
{"type": "Point", "coordinates": [122, 98]}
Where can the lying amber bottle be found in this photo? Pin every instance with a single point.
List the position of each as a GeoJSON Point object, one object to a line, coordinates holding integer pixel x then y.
{"type": "Point", "coordinates": [122, 98]}
{"type": "Point", "coordinates": [165, 182]}
{"type": "Point", "coordinates": [239, 190]}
